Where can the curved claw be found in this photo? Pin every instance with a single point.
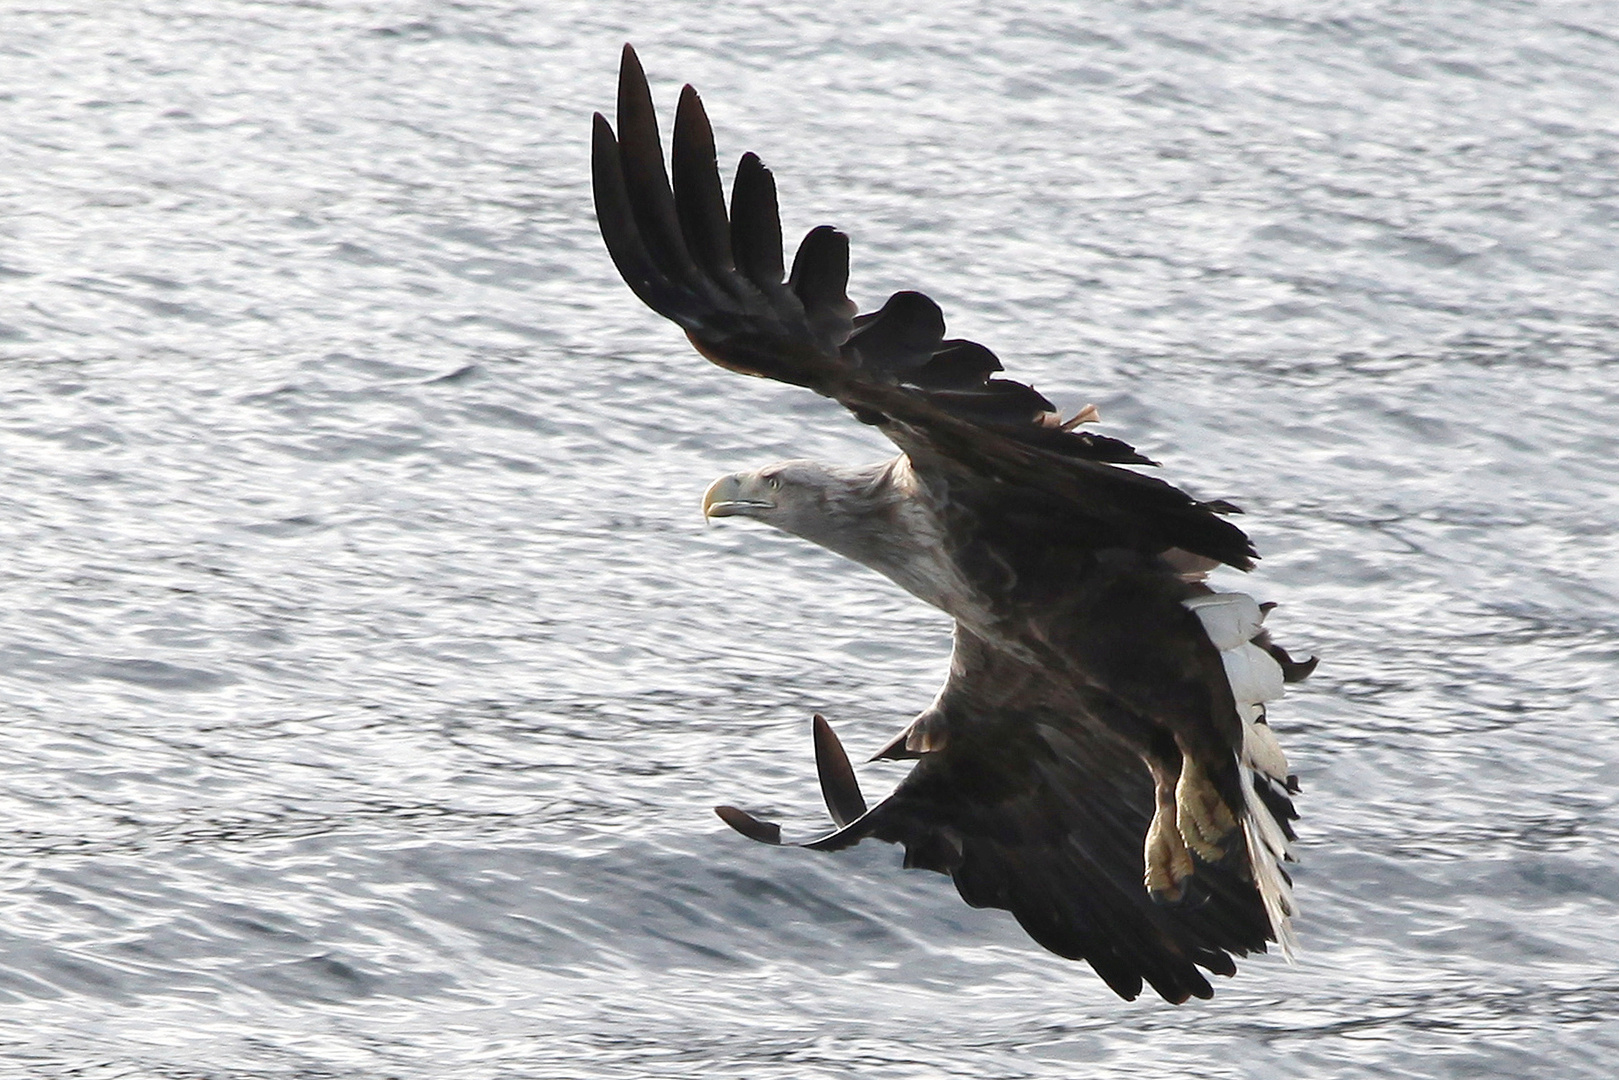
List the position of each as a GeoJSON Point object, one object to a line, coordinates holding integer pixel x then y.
{"type": "Point", "coordinates": [838, 784]}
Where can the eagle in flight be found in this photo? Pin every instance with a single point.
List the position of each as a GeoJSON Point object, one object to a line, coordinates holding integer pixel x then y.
{"type": "Point", "coordinates": [1098, 761]}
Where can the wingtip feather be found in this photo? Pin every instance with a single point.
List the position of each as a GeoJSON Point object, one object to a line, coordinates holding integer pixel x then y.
{"type": "Point", "coordinates": [765, 832]}
{"type": "Point", "coordinates": [839, 785]}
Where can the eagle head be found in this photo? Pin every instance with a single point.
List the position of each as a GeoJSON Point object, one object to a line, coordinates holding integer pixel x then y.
{"type": "Point", "coordinates": [791, 495]}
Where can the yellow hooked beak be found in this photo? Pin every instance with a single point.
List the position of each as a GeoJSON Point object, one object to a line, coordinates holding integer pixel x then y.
{"type": "Point", "coordinates": [740, 494]}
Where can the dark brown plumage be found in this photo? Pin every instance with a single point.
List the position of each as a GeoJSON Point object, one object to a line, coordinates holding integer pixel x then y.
{"type": "Point", "coordinates": [1099, 761]}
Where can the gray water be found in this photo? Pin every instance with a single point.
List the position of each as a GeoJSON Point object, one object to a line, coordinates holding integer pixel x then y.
{"type": "Point", "coordinates": [368, 673]}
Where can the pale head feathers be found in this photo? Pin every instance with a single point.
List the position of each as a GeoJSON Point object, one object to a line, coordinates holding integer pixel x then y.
{"type": "Point", "coordinates": [878, 515]}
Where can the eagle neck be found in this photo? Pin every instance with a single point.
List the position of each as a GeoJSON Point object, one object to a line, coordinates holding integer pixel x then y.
{"type": "Point", "coordinates": [884, 517]}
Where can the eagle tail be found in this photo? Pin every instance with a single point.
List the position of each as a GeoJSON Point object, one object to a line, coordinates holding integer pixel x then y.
{"type": "Point", "coordinates": [1233, 623]}
{"type": "Point", "coordinates": [1266, 834]}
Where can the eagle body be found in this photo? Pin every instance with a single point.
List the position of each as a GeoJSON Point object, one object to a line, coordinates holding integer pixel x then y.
{"type": "Point", "coordinates": [1099, 760]}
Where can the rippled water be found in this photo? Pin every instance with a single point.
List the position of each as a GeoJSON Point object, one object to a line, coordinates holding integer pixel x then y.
{"type": "Point", "coordinates": [368, 672]}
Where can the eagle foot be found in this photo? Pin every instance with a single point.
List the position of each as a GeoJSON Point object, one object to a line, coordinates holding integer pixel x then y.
{"type": "Point", "coordinates": [1202, 818]}
{"type": "Point", "coordinates": [1169, 862]}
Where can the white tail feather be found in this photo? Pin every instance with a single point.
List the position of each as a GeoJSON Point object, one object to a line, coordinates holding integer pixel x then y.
{"type": "Point", "coordinates": [1260, 750]}
{"type": "Point", "coordinates": [1254, 674]}
{"type": "Point", "coordinates": [1231, 621]}
{"type": "Point", "coordinates": [1267, 847]}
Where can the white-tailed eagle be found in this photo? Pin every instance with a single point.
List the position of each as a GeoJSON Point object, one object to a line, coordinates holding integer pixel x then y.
{"type": "Point", "coordinates": [1098, 761]}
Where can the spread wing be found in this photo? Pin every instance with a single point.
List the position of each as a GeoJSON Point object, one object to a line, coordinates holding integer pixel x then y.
{"type": "Point", "coordinates": [720, 276]}
{"type": "Point", "coordinates": [1028, 810]}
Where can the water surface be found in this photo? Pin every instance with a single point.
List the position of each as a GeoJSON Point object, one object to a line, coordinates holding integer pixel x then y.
{"type": "Point", "coordinates": [367, 671]}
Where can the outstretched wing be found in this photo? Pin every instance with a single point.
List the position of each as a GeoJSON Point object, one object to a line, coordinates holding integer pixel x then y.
{"type": "Point", "coordinates": [1028, 810]}
{"type": "Point", "coordinates": [720, 276]}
